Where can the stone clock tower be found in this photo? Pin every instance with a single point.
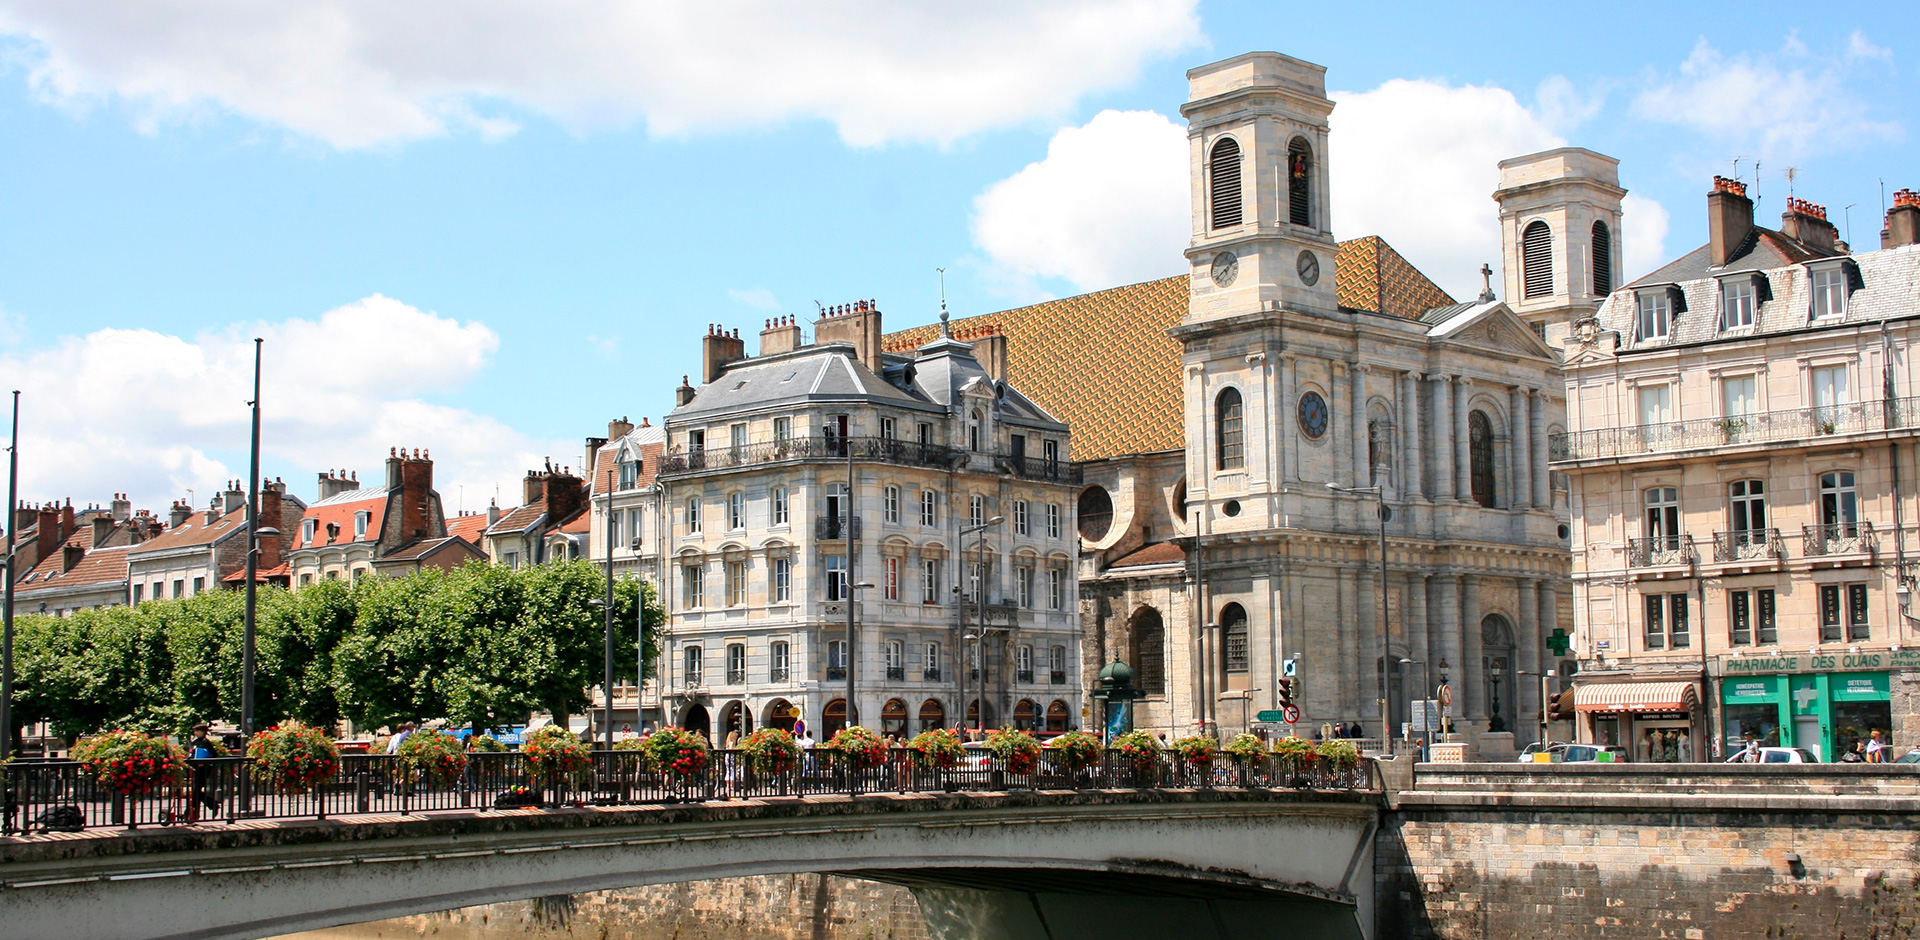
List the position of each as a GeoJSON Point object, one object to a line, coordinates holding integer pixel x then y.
{"type": "Point", "coordinates": [1262, 237]}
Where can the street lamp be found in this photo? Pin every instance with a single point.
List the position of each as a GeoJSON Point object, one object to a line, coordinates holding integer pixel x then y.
{"type": "Point", "coordinates": [981, 625]}
{"type": "Point", "coordinates": [1379, 494]}
{"type": "Point", "coordinates": [6, 644]}
{"type": "Point", "coordinates": [852, 592]}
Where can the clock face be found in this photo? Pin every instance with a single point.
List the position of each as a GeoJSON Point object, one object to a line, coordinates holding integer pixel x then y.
{"type": "Point", "coordinates": [1225, 268]}
{"type": "Point", "coordinates": [1313, 414]}
{"type": "Point", "coordinates": [1309, 265]}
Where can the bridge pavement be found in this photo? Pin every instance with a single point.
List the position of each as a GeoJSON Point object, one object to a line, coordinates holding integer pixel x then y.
{"type": "Point", "coordinates": [1045, 865]}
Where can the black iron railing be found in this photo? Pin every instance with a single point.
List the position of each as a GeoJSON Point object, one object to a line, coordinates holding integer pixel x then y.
{"type": "Point", "coordinates": [60, 795]}
{"type": "Point", "coordinates": [1765, 427]}
{"type": "Point", "coordinates": [1748, 544]}
{"type": "Point", "coordinates": [897, 673]}
{"type": "Point", "coordinates": [1038, 468]}
{"type": "Point", "coordinates": [1661, 550]}
{"type": "Point", "coordinates": [819, 447]}
{"type": "Point", "coordinates": [1840, 538]}
{"type": "Point", "coordinates": [931, 674]}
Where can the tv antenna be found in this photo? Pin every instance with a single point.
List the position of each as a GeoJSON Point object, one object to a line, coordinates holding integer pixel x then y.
{"type": "Point", "coordinates": [1848, 211]}
{"type": "Point", "coordinates": [1793, 173]}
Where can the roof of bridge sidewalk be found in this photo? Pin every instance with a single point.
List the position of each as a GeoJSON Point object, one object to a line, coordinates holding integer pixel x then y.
{"type": "Point", "coordinates": [1104, 362]}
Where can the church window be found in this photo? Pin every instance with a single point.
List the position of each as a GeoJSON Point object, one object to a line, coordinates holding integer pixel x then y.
{"type": "Point", "coordinates": [1299, 182]}
{"type": "Point", "coordinates": [1096, 513]}
{"type": "Point", "coordinates": [1480, 454]}
{"type": "Point", "coordinates": [1233, 629]}
{"type": "Point", "coordinates": [1536, 260]}
{"type": "Point", "coordinates": [1149, 663]}
{"type": "Point", "coordinates": [1602, 259]}
{"type": "Point", "coordinates": [1231, 430]}
{"type": "Point", "coordinates": [1223, 172]}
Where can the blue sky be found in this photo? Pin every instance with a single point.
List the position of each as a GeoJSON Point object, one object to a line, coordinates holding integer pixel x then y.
{"type": "Point", "coordinates": [485, 229]}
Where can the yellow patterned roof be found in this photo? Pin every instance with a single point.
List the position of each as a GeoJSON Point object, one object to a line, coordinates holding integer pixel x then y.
{"type": "Point", "coordinates": [1105, 363]}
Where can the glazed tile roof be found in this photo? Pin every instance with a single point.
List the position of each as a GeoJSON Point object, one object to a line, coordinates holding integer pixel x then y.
{"type": "Point", "coordinates": [1105, 363]}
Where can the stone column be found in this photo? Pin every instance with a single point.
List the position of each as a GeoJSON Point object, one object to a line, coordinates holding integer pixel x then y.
{"type": "Point", "coordinates": [1418, 647]}
{"type": "Point", "coordinates": [1414, 487]}
{"type": "Point", "coordinates": [1447, 606]}
{"type": "Point", "coordinates": [1473, 678]}
{"type": "Point", "coordinates": [1526, 641]}
{"type": "Point", "coordinates": [1362, 464]}
{"type": "Point", "coordinates": [1348, 624]}
{"type": "Point", "coordinates": [1520, 444]}
{"type": "Point", "coordinates": [1340, 389]}
{"type": "Point", "coordinates": [1462, 443]}
{"type": "Point", "coordinates": [1442, 436]}
{"type": "Point", "coordinates": [1542, 483]}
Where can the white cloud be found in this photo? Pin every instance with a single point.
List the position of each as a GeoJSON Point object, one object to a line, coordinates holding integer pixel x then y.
{"type": "Point", "coordinates": [1563, 107]}
{"type": "Point", "coordinates": [155, 415]}
{"type": "Point", "coordinates": [1776, 107]}
{"type": "Point", "coordinates": [1416, 163]}
{"type": "Point", "coordinates": [1107, 206]}
{"type": "Point", "coordinates": [1860, 47]}
{"type": "Point", "coordinates": [1643, 225]}
{"type": "Point", "coordinates": [358, 73]}
{"type": "Point", "coordinates": [759, 298]}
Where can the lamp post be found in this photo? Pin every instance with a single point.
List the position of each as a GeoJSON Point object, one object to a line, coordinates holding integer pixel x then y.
{"type": "Point", "coordinates": [980, 626]}
{"type": "Point", "coordinates": [606, 523]}
{"type": "Point", "coordinates": [1379, 494]}
{"type": "Point", "coordinates": [853, 591]}
{"type": "Point", "coordinates": [253, 557]}
{"type": "Point", "coordinates": [6, 643]}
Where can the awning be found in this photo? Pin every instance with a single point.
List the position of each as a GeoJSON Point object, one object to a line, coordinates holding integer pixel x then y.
{"type": "Point", "coordinates": [1634, 697]}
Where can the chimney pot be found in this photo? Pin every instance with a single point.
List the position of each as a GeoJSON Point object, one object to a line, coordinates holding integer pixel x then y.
{"type": "Point", "coordinates": [1729, 219]}
{"type": "Point", "coordinates": [1903, 220]}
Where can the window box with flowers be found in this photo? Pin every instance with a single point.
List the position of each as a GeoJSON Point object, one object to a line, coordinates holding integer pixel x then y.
{"type": "Point", "coordinates": [432, 758]}
{"type": "Point", "coordinates": [1195, 755]}
{"type": "Point", "coordinates": [555, 756]}
{"type": "Point", "coordinates": [771, 752]}
{"type": "Point", "coordinates": [681, 755]}
{"type": "Point", "coordinates": [861, 752]}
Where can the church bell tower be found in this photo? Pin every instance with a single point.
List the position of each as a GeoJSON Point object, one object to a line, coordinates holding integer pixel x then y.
{"type": "Point", "coordinates": [1262, 237]}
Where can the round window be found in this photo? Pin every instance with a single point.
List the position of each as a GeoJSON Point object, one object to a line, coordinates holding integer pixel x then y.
{"type": "Point", "coordinates": [1313, 414]}
{"type": "Point", "coordinates": [1096, 513]}
{"type": "Point", "coordinates": [1232, 507]}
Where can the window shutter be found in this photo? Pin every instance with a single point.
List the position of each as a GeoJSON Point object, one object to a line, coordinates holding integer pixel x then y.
{"type": "Point", "coordinates": [1224, 172]}
{"type": "Point", "coordinates": [1679, 298]}
{"type": "Point", "coordinates": [1854, 280]}
{"type": "Point", "coordinates": [1536, 260]}
{"type": "Point", "coordinates": [1762, 291]}
{"type": "Point", "coordinates": [1602, 259]}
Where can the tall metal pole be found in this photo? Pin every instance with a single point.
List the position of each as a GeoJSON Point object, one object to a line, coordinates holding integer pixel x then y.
{"type": "Point", "coordinates": [1386, 634]}
{"type": "Point", "coordinates": [6, 644]}
{"type": "Point", "coordinates": [607, 689]}
{"type": "Point", "coordinates": [253, 556]}
{"type": "Point", "coordinates": [846, 593]}
{"type": "Point", "coordinates": [980, 635]}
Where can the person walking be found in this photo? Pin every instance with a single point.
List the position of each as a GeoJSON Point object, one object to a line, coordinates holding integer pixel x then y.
{"type": "Point", "coordinates": [1876, 747]}
{"type": "Point", "coordinates": [202, 752]}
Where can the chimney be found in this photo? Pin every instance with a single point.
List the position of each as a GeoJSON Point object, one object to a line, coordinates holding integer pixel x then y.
{"type": "Point", "coordinates": [178, 514]}
{"type": "Point", "coordinates": [270, 517]}
{"type": "Point", "coordinates": [718, 348]}
{"type": "Point", "coordinates": [70, 555]}
{"type": "Point", "coordinates": [565, 496]}
{"type": "Point", "coordinates": [1729, 219]}
{"type": "Point", "coordinates": [213, 511]}
{"type": "Point", "coordinates": [103, 526]}
{"type": "Point", "coordinates": [684, 393]}
{"type": "Point", "coordinates": [122, 507]}
{"type": "Point", "coordinates": [1807, 224]}
{"type": "Point", "coordinates": [335, 482]}
{"type": "Point", "coordinates": [393, 467]}
{"type": "Point", "coordinates": [1903, 221]}
{"type": "Point", "coordinates": [619, 428]}
{"type": "Point", "coordinates": [781, 335]}
{"type": "Point", "coordinates": [989, 349]}
{"type": "Point", "coordinates": [856, 324]}
{"type": "Point", "coordinates": [533, 488]}
{"type": "Point", "coordinates": [417, 517]}
{"type": "Point", "coordinates": [233, 497]}
{"type": "Point", "coordinates": [493, 513]}
{"type": "Point", "coordinates": [49, 536]}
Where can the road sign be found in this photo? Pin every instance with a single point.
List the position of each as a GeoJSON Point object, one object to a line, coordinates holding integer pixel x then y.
{"type": "Point", "coordinates": [1293, 714]}
{"type": "Point", "coordinates": [1268, 715]}
{"type": "Point", "coordinates": [1426, 716]}
{"type": "Point", "coordinates": [1289, 667]}
{"type": "Point", "coordinates": [1446, 695]}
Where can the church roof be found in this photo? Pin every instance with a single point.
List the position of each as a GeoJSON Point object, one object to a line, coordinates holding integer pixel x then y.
{"type": "Point", "coordinates": [1104, 362]}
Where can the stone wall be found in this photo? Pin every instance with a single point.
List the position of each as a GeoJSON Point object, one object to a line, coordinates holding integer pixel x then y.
{"type": "Point", "coordinates": [776, 907]}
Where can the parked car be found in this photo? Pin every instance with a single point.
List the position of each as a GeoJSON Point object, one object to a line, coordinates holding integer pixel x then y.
{"type": "Point", "coordinates": [1910, 757]}
{"type": "Point", "coordinates": [1787, 755]}
{"type": "Point", "coordinates": [1539, 747]}
{"type": "Point", "coordinates": [1590, 753]}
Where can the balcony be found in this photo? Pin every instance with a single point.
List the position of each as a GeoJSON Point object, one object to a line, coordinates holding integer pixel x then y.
{"type": "Point", "coordinates": [931, 674]}
{"type": "Point", "coordinates": [779, 674]}
{"type": "Point", "coordinates": [1024, 675]}
{"type": "Point", "coordinates": [1842, 538]}
{"type": "Point", "coordinates": [1038, 468]}
{"type": "Point", "coordinates": [1748, 545]}
{"type": "Point", "coordinates": [1661, 551]}
{"type": "Point", "coordinates": [811, 449]}
{"type": "Point", "coordinates": [836, 673]}
{"type": "Point", "coordinates": [1767, 427]}
{"type": "Point", "coordinates": [737, 676]}
{"type": "Point", "coordinates": [835, 528]}
{"type": "Point", "coordinates": [1057, 677]}
{"type": "Point", "coordinates": [897, 673]}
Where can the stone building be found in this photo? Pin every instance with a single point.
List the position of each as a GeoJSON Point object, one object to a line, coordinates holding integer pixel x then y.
{"type": "Point", "coordinates": [818, 475]}
{"type": "Point", "coordinates": [395, 529]}
{"type": "Point", "coordinates": [207, 550]}
{"type": "Point", "coordinates": [530, 533]}
{"type": "Point", "coordinates": [1740, 425]}
{"type": "Point", "coordinates": [88, 569]}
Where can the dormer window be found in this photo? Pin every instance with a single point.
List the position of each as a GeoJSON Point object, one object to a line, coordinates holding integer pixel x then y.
{"type": "Point", "coordinates": [1829, 292]}
{"type": "Point", "coordinates": [1655, 319]}
{"type": "Point", "coordinates": [360, 520]}
{"type": "Point", "coordinates": [629, 473]}
{"type": "Point", "coordinates": [307, 528]}
{"type": "Point", "coordinates": [1737, 302]}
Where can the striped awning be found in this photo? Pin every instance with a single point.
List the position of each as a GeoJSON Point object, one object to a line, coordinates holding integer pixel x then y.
{"type": "Point", "coordinates": [1635, 697]}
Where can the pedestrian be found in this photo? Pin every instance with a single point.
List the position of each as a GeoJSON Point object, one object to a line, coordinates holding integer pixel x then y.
{"type": "Point", "coordinates": [393, 743]}
{"type": "Point", "coordinates": [1876, 748]}
{"type": "Point", "coordinates": [201, 749]}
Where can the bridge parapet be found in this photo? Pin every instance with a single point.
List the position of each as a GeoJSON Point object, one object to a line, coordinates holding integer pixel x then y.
{"type": "Point", "coordinates": [1844, 787]}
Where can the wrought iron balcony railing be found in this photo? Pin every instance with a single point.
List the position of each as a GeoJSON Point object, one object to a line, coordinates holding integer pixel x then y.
{"type": "Point", "coordinates": [1840, 538]}
{"type": "Point", "coordinates": [835, 528]}
{"type": "Point", "coordinates": [1038, 468]}
{"type": "Point", "coordinates": [779, 674]}
{"type": "Point", "coordinates": [819, 447]}
{"type": "Point", "coordinates": [1660, 551]}
{"type": "Point", "coordinates": [737, 676]}
{"type": "Point", "coordinates": [931, 674]}
{"type": "Point", "coordinates": [1024, 675]}
{"type": "Point", "coordinates": [897, 673]}
{"type": "Point", "coordinates": [1760, 428]}
{"type": "Point", "coordinates": [1057, 678]}
{"type": "Point", "coordinates": [1748, 544]}
{"type": "Point", "coordinates": [836, 673]}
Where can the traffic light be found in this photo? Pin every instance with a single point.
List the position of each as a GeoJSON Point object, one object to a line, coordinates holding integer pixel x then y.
{"type": "Point", "coordinates": [1286, 693]}
{"type": "Point", "coordinates": [1560, 706]}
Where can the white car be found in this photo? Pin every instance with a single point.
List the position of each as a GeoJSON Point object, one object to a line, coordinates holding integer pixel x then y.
{"type": "Point", "coordinates": [1787, 755]}
{"type": "Point", "coordinates": [1526, 754]}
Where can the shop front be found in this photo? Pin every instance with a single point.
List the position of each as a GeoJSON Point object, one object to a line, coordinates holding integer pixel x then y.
{"type": "Point", "coordinates": [1653, 721]}
{"type": "Point", "coordinates": [1823, 712]}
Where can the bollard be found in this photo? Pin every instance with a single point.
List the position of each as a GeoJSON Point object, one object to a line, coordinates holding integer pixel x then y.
{"type": "Point", "coordinates": [362, 800]}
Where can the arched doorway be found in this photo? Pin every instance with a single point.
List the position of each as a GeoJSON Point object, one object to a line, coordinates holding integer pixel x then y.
{"type": "Point", "coordinates": [735, 718]}
{"type": "Point", "coordinates": [1025, 715]}
{"type": "Point", "coordinates": [975, 719]}
{"type": "Point", "coordinates": [893, 718]}
{"type": "Point", "coordinates": [695, 718]}
{"type": "Point", "coordinates": [833, 718]}
{"type": "Point", "coordinates": [932, 715]}
{"type": "Point", "coordinates": [1148, 651]}
{"type": "Point", "coordinates": [1497, 669]}
{"type": "Point", "coordinates": [1057, 716]}
{"type": "Point", "coordinates": [781, 714]}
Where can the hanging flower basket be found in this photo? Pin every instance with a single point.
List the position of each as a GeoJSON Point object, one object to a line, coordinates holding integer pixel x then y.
{"type": "Point", "coordinates": [1078, 750]}
{"type": "Point", "coordinates": [485, 744]}
{"type": "Point", "coordinates": [1019, 749]}
{"type": "Point", "coordinates": [679, 753]}
{"type": "Point", "coordinates": [771, 751]}
{"type": "Point", "coordinates": [554, 753]}
{"type": "Point", "coordinates": [130, 763]}
{"type": "Point", "coordinates": [293, 756]}
{"type": "Point", "coordinates": [1340, 753]}
{"type": "Point", "coordinates": [1245, 749]}
{"type": "Point", "coordinates": [432, 757]}
{"type": "Point", "coordinates": [936, 749]}
{"type": "Point", "coordinates": [864, 750]}
{"type": "Point", "coordinates": [1195, 751]}
{"type": "Point", "coordinates": [1295, 754]}
{"type": "Point", "coordinates": [1138, 749]}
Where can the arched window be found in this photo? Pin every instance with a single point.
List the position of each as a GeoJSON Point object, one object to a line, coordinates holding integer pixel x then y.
{"type": "Point", "coordinates": [1602, 259]}
{"type": "Point", "coordinates": [1536, 260]}
{"type": "Point", "coordinates": [1300, 182]}
{"type": "Point", "coordinates": [1096, 513]}
{"type": "Point", "coordinates": [1230, 430]}
{"type": "Point", "coordinates": [1149, 639]}
{"type": "Point", "coordinates": [1480, 456]}
{"type": "Point", "coordinates": [1233, 632]}
{"type": "Point", "coordinates": [973, 431]}
{"type": "Point", "coordinates": [1223, 175]}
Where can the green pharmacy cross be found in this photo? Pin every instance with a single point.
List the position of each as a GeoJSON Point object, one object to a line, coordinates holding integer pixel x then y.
{"type": "Point", "coordinates": [1559, 642]}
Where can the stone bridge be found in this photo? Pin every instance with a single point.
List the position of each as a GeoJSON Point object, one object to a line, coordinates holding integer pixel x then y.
{"type": "Point", "coordinates": [1037, 865]}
